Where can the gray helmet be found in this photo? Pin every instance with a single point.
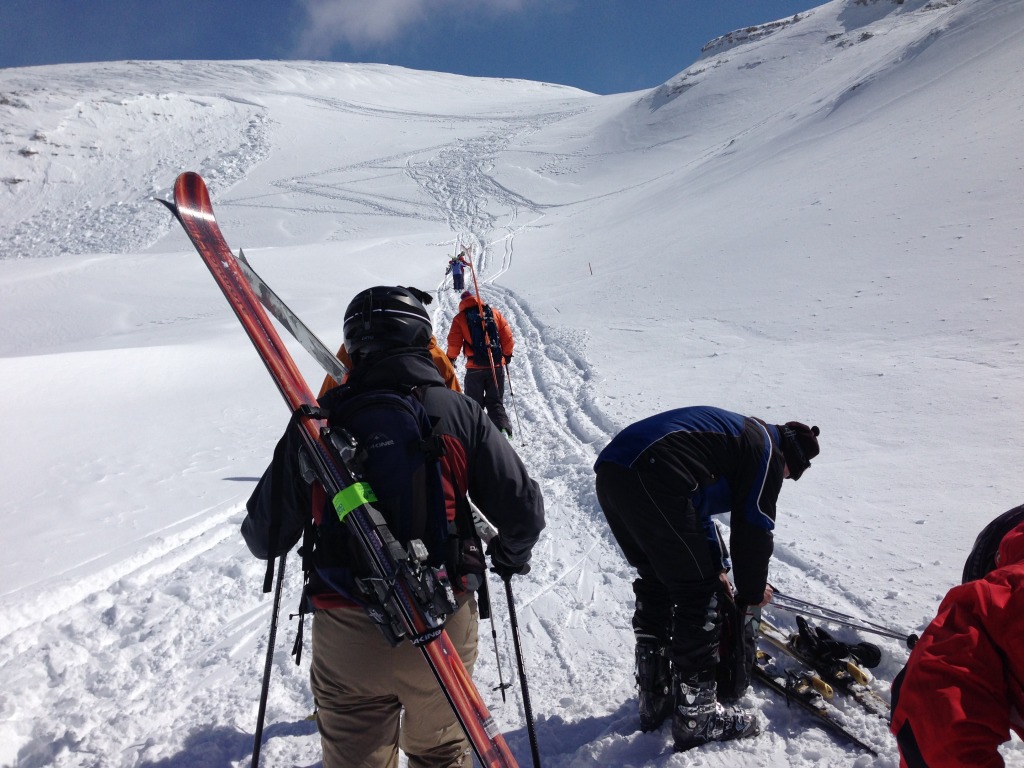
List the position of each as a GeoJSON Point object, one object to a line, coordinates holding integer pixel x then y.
{"type": "Point", "coordinates": [385, 317]}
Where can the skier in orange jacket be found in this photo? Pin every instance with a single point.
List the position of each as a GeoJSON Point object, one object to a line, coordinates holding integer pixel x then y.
{"type": "Point", "coordinates": [484, 335]}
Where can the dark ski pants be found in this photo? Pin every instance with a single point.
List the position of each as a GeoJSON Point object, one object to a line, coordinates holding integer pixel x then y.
{"type": "Point", "coordinates": [678, 586]}
{"type": "Point", "coordinates": [480, 385]}
{"type": "Point", "coordinates": [458, 281]}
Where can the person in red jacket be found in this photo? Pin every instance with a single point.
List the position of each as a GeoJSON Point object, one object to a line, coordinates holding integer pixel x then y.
{"type": "Point", "coordinates": [483, 333]}
{"type": "Point", "coordinates": [962, 690]}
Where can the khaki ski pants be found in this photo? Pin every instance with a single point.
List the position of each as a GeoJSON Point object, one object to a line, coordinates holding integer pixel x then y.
{"type": "Point", "coordinates": [361, 686]}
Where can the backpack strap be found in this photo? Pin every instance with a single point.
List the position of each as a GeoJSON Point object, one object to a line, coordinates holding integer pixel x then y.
{"type": "Point", "coordinates": [305, 603]}
{"type": "Point", "coordinates": [433, 444]}
{"type": "Point", "coordinates": [461, 527]}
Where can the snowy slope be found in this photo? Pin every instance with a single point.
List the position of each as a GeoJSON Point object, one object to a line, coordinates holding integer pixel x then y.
{"type": "Point", "coordinates": [816, 220]}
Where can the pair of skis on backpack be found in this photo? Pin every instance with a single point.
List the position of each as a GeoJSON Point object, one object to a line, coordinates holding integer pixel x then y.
{"type": "Point", "coordinates": [811, 669]}
{"type": "Point", "coordinates": [329, 460]}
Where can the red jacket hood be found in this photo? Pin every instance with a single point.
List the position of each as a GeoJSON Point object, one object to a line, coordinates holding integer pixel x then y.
{"type": "Point", "coordinates": [1011, 548]}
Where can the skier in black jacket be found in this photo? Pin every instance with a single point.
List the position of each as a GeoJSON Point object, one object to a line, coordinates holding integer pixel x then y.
{"type": "Point", "coordinates": [659, 482]}
{"type": "Point", "coordinates": [360, 683]}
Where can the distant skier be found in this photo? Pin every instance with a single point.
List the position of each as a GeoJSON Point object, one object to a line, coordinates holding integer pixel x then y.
{"type": "Point", "coordinates": [962, 690]}
{"type": "Point", "coordinates": [483, 333]}
{"type": "Point", "coordinates": [659, 481]}
{"type": "Point", "coordinates": [457, 268]}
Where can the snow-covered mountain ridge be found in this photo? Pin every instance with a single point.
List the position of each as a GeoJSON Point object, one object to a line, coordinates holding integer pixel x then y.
{"type": "Point", "coordinates": [817, 221]}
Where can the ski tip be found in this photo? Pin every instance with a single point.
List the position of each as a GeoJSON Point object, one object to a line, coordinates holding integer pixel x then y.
{"type": "Point", "coordinates": [191, 186]}
{"type": "Point", "coordinates": [190, 177]}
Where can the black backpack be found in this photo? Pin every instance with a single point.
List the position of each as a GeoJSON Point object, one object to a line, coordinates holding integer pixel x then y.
{"type": "Point", "coordinates": [479, 340]}
{"type": "Point", "coordinates": [397, 468]}
{"type": "Point", "coordinates": [398, 460]}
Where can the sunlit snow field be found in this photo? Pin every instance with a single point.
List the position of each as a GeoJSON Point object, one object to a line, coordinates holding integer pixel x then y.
{"type": "Point", "coordinates": [819, 220]}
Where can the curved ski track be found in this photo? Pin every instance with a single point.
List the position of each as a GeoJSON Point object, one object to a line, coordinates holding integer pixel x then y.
{"type": "Point", "coordinates": [579, 578]}
{"type": "Point", "coordinates": [573, 607]}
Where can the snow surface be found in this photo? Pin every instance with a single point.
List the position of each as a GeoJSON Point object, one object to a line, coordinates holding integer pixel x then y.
{"type": "Point", "coordinates": [817, 220]}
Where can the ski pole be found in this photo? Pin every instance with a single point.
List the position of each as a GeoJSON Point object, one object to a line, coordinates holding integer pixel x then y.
{"type": "Point", "coordinates": [485, 596]}
{"type": "Point", "coordinates": [486, 532]}
{"type": "Point", "coordinates": [796, 605]}
{"type": "Point", "coordinates": [258, 739]}
{"type": "Point", "coordinates": [796, 601]}
{"type": "Point", "coordinates": [527, 707]}
{"type": "Point", "coordinates": [512, 394]}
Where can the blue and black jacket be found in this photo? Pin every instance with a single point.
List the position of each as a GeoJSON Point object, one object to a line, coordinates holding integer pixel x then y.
{"type": "Point", "coordinates": [719, 462]}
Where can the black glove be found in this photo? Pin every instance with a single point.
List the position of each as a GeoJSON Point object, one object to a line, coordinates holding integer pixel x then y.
{"type": "Point", "coordinates": [508, 359]}
{"type": "Point", "coordinates": [502, 563]}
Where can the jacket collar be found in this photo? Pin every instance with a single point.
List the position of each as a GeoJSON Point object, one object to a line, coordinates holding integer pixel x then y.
{"type": "Point", "coordinates": [403, 366]}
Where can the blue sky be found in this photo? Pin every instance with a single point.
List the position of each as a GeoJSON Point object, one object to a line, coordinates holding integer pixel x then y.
{"type": "Point", "coordinates": [604, 46]}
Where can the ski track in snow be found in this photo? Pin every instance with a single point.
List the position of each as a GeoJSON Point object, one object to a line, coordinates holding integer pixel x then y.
{"type": "Point", "coordinates": [202, 577]}
{"type": "Point", "coordinates": [560, 430]}
{"type": "Point", "coordinates": [113, 640]}
{"type": "Point", "coordinates": [198, 575]}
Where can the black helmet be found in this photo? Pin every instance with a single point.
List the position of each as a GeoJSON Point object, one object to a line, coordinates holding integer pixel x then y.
{"type": "Point", "coordinates": [385, 317]}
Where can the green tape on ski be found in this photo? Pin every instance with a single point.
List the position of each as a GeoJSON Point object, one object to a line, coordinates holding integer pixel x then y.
{"type": "Point", "coordinates": [353, 497]}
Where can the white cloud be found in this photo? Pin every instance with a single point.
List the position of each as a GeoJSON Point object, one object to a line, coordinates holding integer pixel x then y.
{"type": "Point", "coordinates": [363, 23]}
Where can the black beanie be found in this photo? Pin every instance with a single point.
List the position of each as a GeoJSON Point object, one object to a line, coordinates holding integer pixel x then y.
{"type": "Point", "coordinates": [799, 446]}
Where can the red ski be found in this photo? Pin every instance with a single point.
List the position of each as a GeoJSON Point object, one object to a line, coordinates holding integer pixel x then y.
{"type": "Point", "coordinates": [193, 209]}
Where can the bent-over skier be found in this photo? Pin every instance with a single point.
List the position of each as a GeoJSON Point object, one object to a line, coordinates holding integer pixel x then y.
{"type": "Point", "coordinates": [659, 481]}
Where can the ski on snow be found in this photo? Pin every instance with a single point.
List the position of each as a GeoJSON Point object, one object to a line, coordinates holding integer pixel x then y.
{"type": "Point", "coordinates": [803, 688]}
{"type": "Point", "coordinates": [843, 675]}
{"type": "Point", "coordinates": [404, 601]}
{"type": "Point", "coordinates": [811, 685]}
